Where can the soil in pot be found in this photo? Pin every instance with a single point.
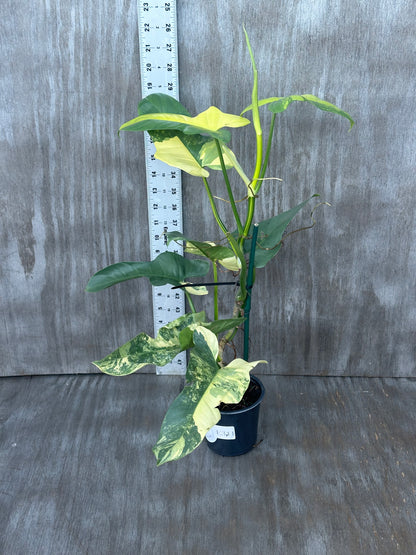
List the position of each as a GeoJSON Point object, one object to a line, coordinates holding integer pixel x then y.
{"type": "Point", "coordinates": [249, 398]}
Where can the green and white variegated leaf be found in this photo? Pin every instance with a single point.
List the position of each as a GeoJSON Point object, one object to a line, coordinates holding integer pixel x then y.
{"type": "Point", "coordinates": [232, 263]}
{"type": "Point", "coordinates": [209, 249]}
{"type": "Point", "coordinates": [195, 411]}
{"type": "Point", "coordinates": [143, 349]}
{"type": "Point", "coordinates": [197, 290]}
{"type": "Point", "coordinates": [216, 327]}
{"type": "Point", "coordinates": [167, 267]}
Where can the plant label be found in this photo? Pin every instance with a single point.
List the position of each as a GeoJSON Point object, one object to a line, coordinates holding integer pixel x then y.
{"type": "Point", "coordinates": [220, 432]}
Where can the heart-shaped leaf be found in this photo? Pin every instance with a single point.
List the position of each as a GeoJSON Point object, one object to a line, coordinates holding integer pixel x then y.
{"type": "Point", "coordinates": [167, 267]}
{"type": "Point", "coordinates": [210, 122]}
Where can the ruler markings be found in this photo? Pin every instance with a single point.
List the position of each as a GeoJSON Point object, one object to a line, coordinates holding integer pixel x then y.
{"type": "Point", "coordinates": [159, 73]}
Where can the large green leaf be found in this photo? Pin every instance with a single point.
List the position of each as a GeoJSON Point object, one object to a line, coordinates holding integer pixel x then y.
{"type": "Point", "coordinates": [278, 104]}
{"type": "Point", "coordinates": [161, 103]}
{"type": "Point", "coordinates": [168, 115]}
{"type": "Point", "coordinates": [167, 267]}
{"type": "Point", "coordinates": [143, 349]}
{"type": "Point", "coordinates": [195, 411]}
{"type": "Point", "coordinates": [270, 234]}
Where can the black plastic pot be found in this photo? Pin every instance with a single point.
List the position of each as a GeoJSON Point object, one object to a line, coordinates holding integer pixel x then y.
{"type": "Point", "coordinates": [236, 432]}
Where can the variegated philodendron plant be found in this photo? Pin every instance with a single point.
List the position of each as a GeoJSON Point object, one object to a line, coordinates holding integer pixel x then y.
{"type": "Point", "coordinates": [196, 145]}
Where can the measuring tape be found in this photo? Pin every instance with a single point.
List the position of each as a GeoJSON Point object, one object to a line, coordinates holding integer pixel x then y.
{"type": "Point", "coordinates": [159, 73]}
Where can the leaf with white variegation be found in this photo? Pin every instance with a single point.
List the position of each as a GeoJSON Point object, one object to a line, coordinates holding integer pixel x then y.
{"type": "Point", "coordinates": [202, 248]}
{"type": "Point", "coordinates": [195, 411]}
{"type": "Point", "coordinates": [143, 349]}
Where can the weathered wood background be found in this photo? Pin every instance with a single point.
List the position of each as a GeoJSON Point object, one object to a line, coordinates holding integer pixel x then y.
{"type": "Point", "coordinates": [340, 299]}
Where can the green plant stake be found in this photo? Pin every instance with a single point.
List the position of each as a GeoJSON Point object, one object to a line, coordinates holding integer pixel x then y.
{"type": "Point", "coordinates": [250, 282]}
{"type": "Point", "coordinates": [199, 145]}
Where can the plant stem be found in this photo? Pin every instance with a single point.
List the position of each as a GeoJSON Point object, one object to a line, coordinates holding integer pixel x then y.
{"type": "Point", "coordinates": [259, 142]}
{"type": "Point", "coordinates": [267, 155]}
{"type": "Point", "coordinates": [229, 190]}
{"type": "Point", "coordinates": [232, 241]}
{"type": "Point", "coordinates": [190, 301]}
{"type": "Point", "coordinates": [215, 272]}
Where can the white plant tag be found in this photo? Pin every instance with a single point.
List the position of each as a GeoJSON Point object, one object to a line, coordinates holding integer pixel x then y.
{"type": "Point", "coordinates": [220, 432]}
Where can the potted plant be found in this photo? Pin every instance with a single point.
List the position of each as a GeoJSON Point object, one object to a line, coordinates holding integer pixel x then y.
{"type": "Point", "coordinates": [196, 145]}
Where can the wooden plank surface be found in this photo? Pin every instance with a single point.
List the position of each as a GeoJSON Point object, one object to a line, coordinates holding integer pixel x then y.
{"type": "Point", "coordinates": [340, 299]}
{"type": "Point", "coordinates": [334, 473]}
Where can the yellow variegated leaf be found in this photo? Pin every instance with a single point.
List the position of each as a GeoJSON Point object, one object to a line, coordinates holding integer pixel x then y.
{"type": "Point", "coordinates": [214, 119]}
{"type": "Point", "coordinates": [210, 159]}
{"type": "Point", "coordinates": [209, 122]}
{"type": "Point", "coordinates": [174, 152]}
{"type": "Point", "coordinates": [195, 411]}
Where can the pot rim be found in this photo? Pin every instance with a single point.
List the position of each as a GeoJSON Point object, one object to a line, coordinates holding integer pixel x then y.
{"type": "Point", "coordinates": [254, 405]}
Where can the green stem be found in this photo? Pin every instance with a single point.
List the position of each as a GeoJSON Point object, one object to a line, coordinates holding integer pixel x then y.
{"type": "Point", "coordinates": [259, 143]}
{"type": "Point", "coordinates": [214, 208]}
{"type": "Point", "coordinates": [190, 302]}
{"type": "Point", "coordinates": [215, 272]}
{"type": "Point", "coordinates": [229, 190]}
{"type": "Point", "coordinates": [267, 155]}
{"type": "Point", "coordinates": [231, 333]}
{"type": "Point", "coordinates": [232, 241]}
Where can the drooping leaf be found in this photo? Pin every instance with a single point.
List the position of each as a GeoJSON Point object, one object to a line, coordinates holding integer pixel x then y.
{"type": "Point", "coordinates": [195, 411]}
{"type": "Point", "coordinates": [143, 349]}
{"type": "Point", "coordinates": [167, 267]}
{"type": "Point", "coordinates": [278, 104]}
{"type": "Point", "coordinates": [210, 122]}
{"type": "Point", "coordinates": [270, 234]}
{"type": "Point", "coordinates": [195, 289]}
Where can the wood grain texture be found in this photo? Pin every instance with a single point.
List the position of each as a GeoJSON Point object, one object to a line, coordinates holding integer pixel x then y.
{"type": "Point", "coordinates": [73, 195]}
{"type": "Point", "coordinates": [334, 474]}
{"type": "Point", "coordinates": [340, 299]}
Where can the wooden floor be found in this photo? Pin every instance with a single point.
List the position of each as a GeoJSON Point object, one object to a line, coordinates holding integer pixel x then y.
{"type": "Point", "coordinates": [334, 474]}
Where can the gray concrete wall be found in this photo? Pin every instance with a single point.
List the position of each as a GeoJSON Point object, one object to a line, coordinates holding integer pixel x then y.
{"type": "Point", "coordinates": [340, 299]}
